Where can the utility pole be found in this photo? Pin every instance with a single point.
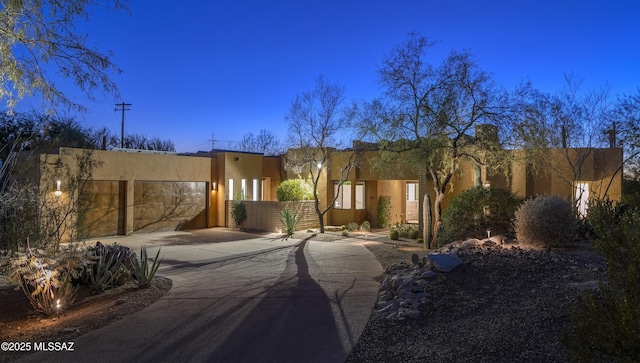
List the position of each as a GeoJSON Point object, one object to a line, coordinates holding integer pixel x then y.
{"type": "Point", "coordinates": [122, 107]}
{"type": "Point", "coordinates": [213, 141]}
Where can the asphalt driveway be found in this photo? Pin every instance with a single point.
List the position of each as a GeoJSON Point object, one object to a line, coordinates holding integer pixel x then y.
{"type": "Point", "coordinates": [239, 297]}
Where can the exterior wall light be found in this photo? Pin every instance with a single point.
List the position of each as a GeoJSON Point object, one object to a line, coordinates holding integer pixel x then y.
{"type": "Point", "coordinates": [319, 165]}
{"type": "Point", "coordinates": [214, 186]}
{"type": "Point", "coordinates": [58, 189]}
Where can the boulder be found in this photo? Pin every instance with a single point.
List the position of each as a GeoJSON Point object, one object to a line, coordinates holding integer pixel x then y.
{"type": "Point", "coordinates": [444, 262]}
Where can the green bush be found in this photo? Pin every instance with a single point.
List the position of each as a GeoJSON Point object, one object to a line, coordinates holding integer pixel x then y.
{"type": "Point", "coordinates": [473, 211]}
{"type": "Point", "coordinates": [345, 233]}
{"type": "Point", "coordinates": [546, 221]}
{"type": "Point", "coordinates": [394, 235]}
{"type": "Point", "coordinates": [294, 190]}
{"type": "Point", "coordinates": [352, 226]}
{"type": "Point", "coordinates": [238, 212]}
{"type": "Point", "coordinates": [606, 323]}
{"type": "Point", "coordinates": [289, 220]}
{"type": "Point", "coordinates": [384, 211]}
{"type": "Point", "coordinates": [365, 226]}
{"type": "Point", "coordinates": [419, 241]}
{"type": "Point", "coordinates": [414, 233]}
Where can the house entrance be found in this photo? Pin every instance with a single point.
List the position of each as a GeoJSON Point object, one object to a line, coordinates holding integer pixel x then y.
{"type": "Point", "coordinates": [412, 203]}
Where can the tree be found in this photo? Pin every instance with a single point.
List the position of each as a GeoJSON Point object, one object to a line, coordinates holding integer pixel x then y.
{"type": "Point", "coordinates": [430, 112]}
{"type": "Point", "coordinates": [316, 119]}
{"type": "Point", "coordinates": [39, 38]}
{"type": "Point", "coordinates": [628, 115]}
{"type": "Point", "coordinates": [265, 143]}
{"type": "Point", "coordinates": [141, 142]}
{"type": "Point", "coordinates": [574, 122]}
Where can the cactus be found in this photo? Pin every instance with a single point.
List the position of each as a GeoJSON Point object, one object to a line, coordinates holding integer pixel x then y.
{"type": "Point", "coordinates": [417, 261]}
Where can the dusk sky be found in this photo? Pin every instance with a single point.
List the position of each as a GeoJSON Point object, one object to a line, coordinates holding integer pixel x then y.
{"type": "Point", "coordinates": [193, 68]}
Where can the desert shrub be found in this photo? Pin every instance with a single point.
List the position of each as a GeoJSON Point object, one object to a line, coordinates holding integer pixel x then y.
{"type": "Point", "coordinates": [394, 235]}
{"type": "Point", "coordinates": [407, 230]}
{"type": "Point", "coordinates": [546, 221]}
{"type": "Point", "coordinates": [345, 233]}
{"type": "Point", "coordinates": [473, 211]}
{"type": "Point", "coordinates": [419, 240]}
{"type": "Point", "coordinates": [606, 323]}
{"type": "Point", "coordinates": [44, 280]}
{"type": "Point", "coordinates": [352, 226]}
{"type": "Point", "coordinates": [238, 212]}
{"type": "Point", "coordinates": [293, 190]}
{"type": "Point", "coordinates": [384, 211]}
{"type": "Point", "coordinates": [289, 219]}
{"type": "Point", "coordinates": [143, 271]}
{"type": "Point", "coordinates": [365, 226]}
{"type": "Point", "coordinates": [414, 233]}
{"type": "Point", "coordinates": [109, 266]}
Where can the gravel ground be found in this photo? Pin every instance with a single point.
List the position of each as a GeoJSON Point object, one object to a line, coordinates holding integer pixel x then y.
{"type": "Point", "coordinates": [503, 304]}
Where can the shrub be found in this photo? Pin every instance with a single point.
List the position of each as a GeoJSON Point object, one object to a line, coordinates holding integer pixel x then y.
{"type": "Point", "coordinates": [345, 233]}
{"type": "Point", "coordinates": [384, 211]}
{"type": "Point", "coordinates": [43, 281]}
{"type": "Point", "coordinates": [394, 235]}
{"type": "Point", "coordinates": [289, 220]}
{"type": "Point", "coordinates": [606, 323]}
{"type": "Point", "coordinates": [293, 190]}
{"type": "Point", "coordinates": [352, 226]}
{"type": "Point", "coordinates": [473, 211]}
{"type": "Point", "coordinates": [419, 240]}
{"type": "Point", "coordinates": [365, 226]}
{"type": "Point", "coordinates": [414, 233]}
{"type": "Point", "coordinates": [238, 212]}
{"type": "Point", "coordinates": [142, 272]}
{"type": "Point", "coordinates": [546, 221]}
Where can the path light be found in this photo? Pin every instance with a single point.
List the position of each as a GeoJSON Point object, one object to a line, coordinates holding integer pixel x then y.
{"type": "Point", "coordinates": [58, 305]}
{"type": "Point", "coordinates": [58, 189]}
{"type": "Point", "coordinates": [488, 233]}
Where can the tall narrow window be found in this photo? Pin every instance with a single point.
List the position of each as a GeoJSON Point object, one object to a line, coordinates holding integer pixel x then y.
{"type": "Point", "coordinates": [360, 197]}
{"type": "Point", "coordinates": [255, 189]}
{"type": "Point", "coordinates": [243, 188]}
{"type": "Point", "coordinates": [582, 198]}
{"type": "Point", "coordinates": [230, 187]}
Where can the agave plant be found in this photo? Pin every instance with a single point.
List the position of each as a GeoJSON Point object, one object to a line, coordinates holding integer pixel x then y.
{"type": "Point", "coordinates": [143, 271]}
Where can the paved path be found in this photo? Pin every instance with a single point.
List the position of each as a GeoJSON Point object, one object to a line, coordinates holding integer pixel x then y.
{"type": "Point", "coordinates": [257, 299]}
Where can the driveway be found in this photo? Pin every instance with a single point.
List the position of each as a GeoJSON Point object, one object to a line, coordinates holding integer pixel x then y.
{"type": "Point", "coordinates": [253, 298]}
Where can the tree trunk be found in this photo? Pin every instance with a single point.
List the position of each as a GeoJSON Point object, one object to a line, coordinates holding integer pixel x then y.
{"type": "Point", "coordinates": [437, 215]}
{"type": "Point", "coordinates": [426, 221]}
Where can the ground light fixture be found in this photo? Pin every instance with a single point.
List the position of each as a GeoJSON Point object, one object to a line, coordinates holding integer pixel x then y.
{"type": "Point", "coordinates": [58, 188]}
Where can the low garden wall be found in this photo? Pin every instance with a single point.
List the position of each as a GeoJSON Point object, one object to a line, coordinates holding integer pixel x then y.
{"type": "Point", "coordinates": [265, 215]}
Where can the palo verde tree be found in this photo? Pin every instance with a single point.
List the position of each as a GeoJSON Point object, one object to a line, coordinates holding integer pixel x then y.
{"type": "Point", "coordinates": [40, 37]}
{"type": "Point", "coordinates": [429, 114]}
{"type": "Point", "coordinates": [316, 121]}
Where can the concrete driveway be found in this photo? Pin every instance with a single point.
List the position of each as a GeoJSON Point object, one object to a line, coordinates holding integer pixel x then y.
{"type": "Point", "coordinates": [253, 298]}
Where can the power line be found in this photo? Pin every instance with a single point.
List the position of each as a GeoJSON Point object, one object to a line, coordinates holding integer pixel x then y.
{"type": "Point", "coordinates": [122, 107]}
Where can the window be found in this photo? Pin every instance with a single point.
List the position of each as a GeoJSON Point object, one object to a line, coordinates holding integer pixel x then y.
{"type": "Point", "coordinates": [230, 195]}
{"type": "Point", "coordinates": [243, 188]}
{"type": "Point", "coordinates": [360, 195]}
{"type": "Point", "coordinates": [255, 189]}
{"type": "Point", "coordinates": [344, 194]}
{"type": "Point", "coordinates": [582, 198]}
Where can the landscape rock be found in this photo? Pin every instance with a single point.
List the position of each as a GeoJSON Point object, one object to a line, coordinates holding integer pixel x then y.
{"type": "Point", "coordinates": [444, 262]}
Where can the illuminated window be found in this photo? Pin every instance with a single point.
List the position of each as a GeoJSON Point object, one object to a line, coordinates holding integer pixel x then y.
{"type": "Point", "coordinates": [230, 195]}
{"type": "Point", "coordinates": [344, 194]}
{"type": "Point", "coordinates": [243, 188]}
{"type": "Point", "coordinates": [582, 198]}
{"type": "Point", "coordinates": [255, 189]}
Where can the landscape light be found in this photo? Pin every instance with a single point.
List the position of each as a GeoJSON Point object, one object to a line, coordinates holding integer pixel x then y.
{"type": "Point", "coordinates": [58, 190]}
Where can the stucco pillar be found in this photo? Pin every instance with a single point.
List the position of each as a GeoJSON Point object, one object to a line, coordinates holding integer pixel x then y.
{"type": "Point", "coordinates": [129, 206]}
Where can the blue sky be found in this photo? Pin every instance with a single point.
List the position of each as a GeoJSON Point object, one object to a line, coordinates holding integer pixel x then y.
{"type": "Point", "coordinates": [193, 68]}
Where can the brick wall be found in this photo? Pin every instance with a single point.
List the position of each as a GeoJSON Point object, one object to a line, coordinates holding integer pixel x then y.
{"type": "Point", "coordinates": [265, 215]}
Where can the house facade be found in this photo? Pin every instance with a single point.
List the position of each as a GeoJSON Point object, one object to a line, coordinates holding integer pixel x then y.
{"type": "Point", "coordinates": [144, 191]}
